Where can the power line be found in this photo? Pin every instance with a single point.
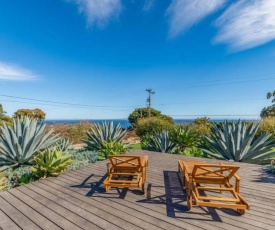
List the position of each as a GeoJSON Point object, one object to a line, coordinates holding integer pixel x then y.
{"type": "Point", "coordinates": [63, 106]}
{"type": "Point", "coordinates": [65, 103]}
{"type": "Point", "coordinates": [216, 84]}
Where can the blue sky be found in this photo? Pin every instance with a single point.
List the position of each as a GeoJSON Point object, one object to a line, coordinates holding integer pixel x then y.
{"type": "Point", "coordinates": [97, 57]}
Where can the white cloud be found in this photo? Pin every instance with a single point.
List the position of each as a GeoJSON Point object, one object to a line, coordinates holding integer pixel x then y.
{"type": "Point", "coordinates": [10, 72]}
{"type": "Point", "coordinates": [185, 13]}
{"type": "Point", "coordinates": [247, 23]}
{"type": "Point", "coordinates": [148, 5]}
{"type": "Point", "coordinates": [99, 12]}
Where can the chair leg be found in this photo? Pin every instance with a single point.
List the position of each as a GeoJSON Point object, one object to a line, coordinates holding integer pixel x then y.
{"type": "Point", "coordinates": [189, 195]}
{"type": "Point", "coordinates": [143, 188]}
{"type": "Point", "coordinates": [189, 203]}
{"type": "Point", "coordinates": [241, 211]}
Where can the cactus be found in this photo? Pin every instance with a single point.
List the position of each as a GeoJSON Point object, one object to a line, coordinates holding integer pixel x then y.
{"type": "Point", "coordinates": [50, 163]}
{"type": "Point", "coordinates": [236, 142]}
{"type": "Point", "coordinates": [101, 134]}
{"type": "Point", "coordinates": [19, 143]}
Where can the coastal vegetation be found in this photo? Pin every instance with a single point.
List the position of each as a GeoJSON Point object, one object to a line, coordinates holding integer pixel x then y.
{"type": "Point", "coordinates": [28, 152]}
{"type": "Point", "coordinates": [31, 150]}
{"type": "Point", "coordinates": [106, 139]}
{"type": "Point", "coordinates": [141, 113]}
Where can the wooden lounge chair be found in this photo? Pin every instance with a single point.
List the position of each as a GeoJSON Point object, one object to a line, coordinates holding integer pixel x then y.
{"type": "Point", "coordinates": [126, 171]}
{"type": "Point", "coordinates": [215, 178]}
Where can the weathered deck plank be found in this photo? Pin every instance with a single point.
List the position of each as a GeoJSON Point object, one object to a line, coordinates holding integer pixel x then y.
{"type": "Point", "coordinates": [77, 200]}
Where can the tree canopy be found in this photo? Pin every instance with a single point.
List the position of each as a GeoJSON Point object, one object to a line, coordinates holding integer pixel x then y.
{"type": "Point", "coordinates": [4, 117]}
{"type": "Point", "coordinates": [269, 111]}
{"type": "Point", "coordinates": [143, 113]}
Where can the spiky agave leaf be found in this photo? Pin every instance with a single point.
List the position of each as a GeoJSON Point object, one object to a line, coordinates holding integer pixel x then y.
{"type": "Point", "coordinates": [51, 163]}
{"type": "Point", "coordinates": [64, 145]}
{"type": "Point", "coordinates": [19, 143]}
{"type": "Point", "coordinates": [161, 143]}
{"type": "Point", "coordinates": [102, 133]}
{"type": "Point", "coordinates": [236, 142]}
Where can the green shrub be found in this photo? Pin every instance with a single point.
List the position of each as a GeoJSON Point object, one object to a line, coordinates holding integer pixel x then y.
{"type": "Point", "coordinates": [141, 113]}
{"type": "Point", "coordinates": [18, 176]}
{"type": "Point", "coordinates": [50, 163]}
{"type": "Point", "coordinates": [267, 125]}
{"type": "Point", "coordinates": [202, 126]}
{"type": "Point", "coordinates": [153, 125]}
{"type": "Point", "coordinates": [193, 151]}
{"type": "Point", "coordinates": [112, 148]}
{"type": "Point", "coordinates": [84, 155]}
{"type": "Point", "coordinates": [144, 142]}
{"type": "Point", "coordinates": [184, 138]}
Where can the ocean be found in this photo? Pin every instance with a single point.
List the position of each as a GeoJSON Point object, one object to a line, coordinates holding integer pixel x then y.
{"type": "Point", "coordinates": [123, 122]}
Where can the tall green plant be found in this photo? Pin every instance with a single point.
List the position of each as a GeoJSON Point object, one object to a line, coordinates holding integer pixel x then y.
{"type": "Point", "coordinates": [113, 148]}
{"type": "Point", "coordinates": [106, 132]}
{"type": "Point", "coordinates": [50, 163]}
{"type": "Point", "coordinates": [161, 143]}
{"type": "Point", "coordinates": [235, 141]}
{"type": "Point", "coordinates": [152, 126]}
{"type": "Point", "coordinates": [183, 138]}
{"type": "Point", "coordinates": [19, 143]}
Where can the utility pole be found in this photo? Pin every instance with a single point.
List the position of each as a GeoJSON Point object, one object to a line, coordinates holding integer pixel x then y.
{"type": "Point", "coordinates": [149, 100]}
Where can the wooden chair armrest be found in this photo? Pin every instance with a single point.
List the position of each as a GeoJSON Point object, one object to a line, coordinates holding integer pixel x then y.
{"type": "Point", "coordinates": [238, 178]}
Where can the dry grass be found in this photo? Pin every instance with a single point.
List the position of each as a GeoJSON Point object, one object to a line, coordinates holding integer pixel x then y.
{"type": "Point", "coordinates": [74, 132]}
{"type": "Point", "coordinates": [77, 132]}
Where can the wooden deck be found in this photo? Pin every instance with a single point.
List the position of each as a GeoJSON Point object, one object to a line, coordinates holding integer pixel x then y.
{"type": "Point", "coordinates": [77, 200]}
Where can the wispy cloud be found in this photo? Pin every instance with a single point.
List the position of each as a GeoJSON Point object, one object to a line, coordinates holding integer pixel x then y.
{"type": "Point", "coordinates": [185, 13]}
{"type": "Point", "coordinates": [98, 12]}
{"type": "Point", "coordinates": [10, 72]}
{"type": "Point", "coordinates": [246, 24]}
{"type": "Point", "coordinates": [148, 5]}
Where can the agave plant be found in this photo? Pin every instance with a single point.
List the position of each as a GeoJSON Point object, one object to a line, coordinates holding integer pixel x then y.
{"type": "Point", "coordinates": [184, 138]}
{"type": "Point", "coordinates": [50, 163]}
{"type": "Point", "coordinates": [106, 132]}
{"type": "Point", "coordinates": [19, 143]}
{"type": "Point", "coordinates": [161, 143]}
{"type": "Point", "coordinates": [235, 141]}
{"type": "Point", "coordinates": [64, 145]}
{"type": "Point", "coordinates": [113, 148]}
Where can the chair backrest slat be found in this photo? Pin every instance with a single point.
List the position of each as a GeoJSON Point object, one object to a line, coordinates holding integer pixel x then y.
{"type": "Point", "coordinates": [125, 160]}
{"type": "Point", "coordinates": [214, 170]}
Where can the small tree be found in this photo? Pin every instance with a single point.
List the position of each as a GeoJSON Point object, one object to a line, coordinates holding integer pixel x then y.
{"type": "Point", "coordinates": [143, 113]}
{"type": "Point", "coordinates": [269, 111]}
{"type": "Point", "coordinates": [35, 113]}
{"type": "Point", "coordinates": [4, 117]}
